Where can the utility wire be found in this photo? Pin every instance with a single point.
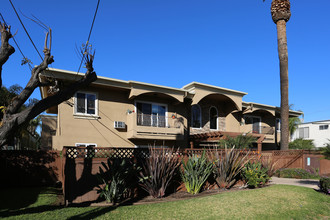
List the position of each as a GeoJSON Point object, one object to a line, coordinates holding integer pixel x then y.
{"type": "Point", "coordinates": [89, 35]}
{"type": "Point", "coordinates": [25, 58]}
{"type": "Point", "coordinates": [25, 29]}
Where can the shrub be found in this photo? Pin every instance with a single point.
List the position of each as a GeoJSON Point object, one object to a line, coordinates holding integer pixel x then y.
{"type": "Point", "coordinates": [239, 142]}
{"type": "Point", "coordinates": [255, 175]}
{"type": "Point", "coordinates": [325, 184]}
{"type": "Point", "coordinates": [195, 172]}
{"type": "Point", "coordinates": [302, 144]}
{"type": "Point", "coordinates": [295, 173]}
{"type": "Point", "coordinates": [228, 168]}
{"type": "Point", "coordinates": [115, 179]}
{"type": "Point", "coordinates": [158, 170]}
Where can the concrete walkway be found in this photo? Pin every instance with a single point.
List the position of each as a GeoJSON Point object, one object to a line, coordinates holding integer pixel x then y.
{"type": "Point", "coordinates": [310, 183]}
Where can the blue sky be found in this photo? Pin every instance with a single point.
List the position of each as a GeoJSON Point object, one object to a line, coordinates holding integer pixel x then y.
{"type": "Point", "coordinates": [230, 44]}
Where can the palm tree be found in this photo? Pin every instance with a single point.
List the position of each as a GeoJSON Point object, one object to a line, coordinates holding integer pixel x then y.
{"type": "Point", "coordinates": [293, 124]}
{"type": "Point", "coordinates": [280, 11]}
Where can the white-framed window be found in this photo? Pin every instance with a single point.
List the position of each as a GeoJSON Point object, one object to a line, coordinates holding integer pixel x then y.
{"type": "Point", "coordinates": [151, 114]}
{"type": "Point", "coordinates": [278, 124]}
{"type": "Point", "coordinates": [255, 122]}
{"type": "Point", "coordinates": [304, 132]}
{"type": "Point", "coordinates": [196, 116]}
{"type": "Point", "coordinates": [323, 127]}
{"type": "Point", "coordinates": [213, 118]}
{"type": "Point", "coordinates": [85, 103]}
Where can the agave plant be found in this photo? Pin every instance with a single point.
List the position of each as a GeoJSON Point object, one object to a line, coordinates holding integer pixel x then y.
{"type": "Point", "coordinates": [115, 179]}
{"type": "Point", "coordinates": [228, 167]}
{"type": "Point", "coordinates": [195, 172]}
{"type": "Point", "coordinates": [158, 170]}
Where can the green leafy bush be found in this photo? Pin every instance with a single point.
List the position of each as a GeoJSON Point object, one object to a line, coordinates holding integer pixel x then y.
{"type": "Point", "coordinates": [255, 175]}
{"type": "Point", "coordinates": [296, 173]}
{"type": "Point", "coordinates": [195, 172]}
{"type": "Point", "coordinates": [239, 142]}
{"type": "Point", "coordinates": [228, 167]}
{"type": "Point", "coordinates": [158, 169]}
{"type": "Point", "coordinates": [302, 144]}
{"type": "Point", "coordinates": [115, 179]}
{"type": "Point", "coordinates": [325, 184]}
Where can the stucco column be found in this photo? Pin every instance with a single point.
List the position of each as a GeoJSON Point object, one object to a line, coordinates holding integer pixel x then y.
{"type": "Point", "coordinates": [192, 144]}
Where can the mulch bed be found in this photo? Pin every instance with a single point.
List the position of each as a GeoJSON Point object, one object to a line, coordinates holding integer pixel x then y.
{"type": "Point", "coordinates": [181, 195]}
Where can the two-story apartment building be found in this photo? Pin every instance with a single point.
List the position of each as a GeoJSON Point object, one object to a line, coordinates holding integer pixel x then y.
{"type": "Point", "coordinates": [117, 113]}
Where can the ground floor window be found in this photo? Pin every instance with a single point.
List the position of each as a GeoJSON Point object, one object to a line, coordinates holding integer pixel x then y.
{"type": "Point", "coordinates": [323, 127]}
{"type": "Point", "coordinates": [304, 132]}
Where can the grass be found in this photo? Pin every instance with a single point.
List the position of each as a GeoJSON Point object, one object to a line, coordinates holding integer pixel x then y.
{"type": "Point", "coordinates": [274, 202]}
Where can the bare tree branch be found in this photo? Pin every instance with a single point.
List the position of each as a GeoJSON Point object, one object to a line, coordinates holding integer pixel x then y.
{"type": "Point", "coordinates": [16, 120]}
{"type": "Point", "coordinates": [6, 49]}
{"type": "Point", "coordinates": [33, 83]}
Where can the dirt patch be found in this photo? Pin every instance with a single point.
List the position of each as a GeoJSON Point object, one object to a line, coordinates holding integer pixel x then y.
{"type": "Point", "coordinates": [181, 195]}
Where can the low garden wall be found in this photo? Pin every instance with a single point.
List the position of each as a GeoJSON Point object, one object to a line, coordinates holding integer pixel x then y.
{"type": "Point", "coordinates": [77, 168]}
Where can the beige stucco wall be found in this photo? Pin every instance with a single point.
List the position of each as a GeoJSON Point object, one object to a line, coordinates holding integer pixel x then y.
{"type": "Point", "coordinates": [48, 128]}
{"type": "Point", "coordinates": [201, 93]}
{"type": "Point", "coordinates": [227, 119]}
{"type": "Point", "coordinates": [267, 124]}
{"type": "Point", "coordinates": [114, 103]}
{"type": "Point", "coordinates": [112, 106]}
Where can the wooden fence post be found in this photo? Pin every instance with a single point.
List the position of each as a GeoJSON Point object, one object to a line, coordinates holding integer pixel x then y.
{"type": "Point", "coordinates": [64, 152]}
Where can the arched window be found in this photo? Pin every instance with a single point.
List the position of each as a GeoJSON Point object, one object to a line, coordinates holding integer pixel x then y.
{"type": "Point", "coordinates": [196, 116]}
{"type": "Point", "coordinates": [213, 118]}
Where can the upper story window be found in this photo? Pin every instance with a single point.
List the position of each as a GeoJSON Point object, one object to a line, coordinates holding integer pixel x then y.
{"type": "Point", "coordinates": [323, 127]}
{"type": "Point", "coordinates": [255, 121]}
{"type": "Point", "coordinates": [213, 118]}
{"type": "Point", "coordinates": [304, 132]}
{"type": "Point", "coordinates": [85, 103]}
{"type": "Point", "coordinates": [196, 116]}
{"type": "Point", "coordinates": [278, 124]}
{"type": "Point", "coordinates": [151, 114]}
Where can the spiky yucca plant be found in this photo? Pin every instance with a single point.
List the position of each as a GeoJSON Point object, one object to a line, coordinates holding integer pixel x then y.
{"type": "Point", "coordinates": [270, 164]}
{"type": "Point", "coordinates": [228, 167]}
{"type": "Point", "coordinates": [115, 178]}
{"type": "Point", "coordinates": [195, 172]}
{"type": "Point", "coordinates": [158, 170]}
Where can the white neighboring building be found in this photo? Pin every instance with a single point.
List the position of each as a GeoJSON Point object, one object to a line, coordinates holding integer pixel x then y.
{"type": "Point", "coordinates": [318, 131]}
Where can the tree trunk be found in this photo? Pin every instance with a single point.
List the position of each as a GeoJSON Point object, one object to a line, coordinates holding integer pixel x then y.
{"type": "Point", "coordinates": [284, 77]}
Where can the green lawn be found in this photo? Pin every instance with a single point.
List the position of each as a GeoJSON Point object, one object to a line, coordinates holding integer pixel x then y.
{"type": "Point", "coordinates": [274, 202]}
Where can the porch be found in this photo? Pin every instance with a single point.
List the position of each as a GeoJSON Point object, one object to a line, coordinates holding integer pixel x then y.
{"type": "Point", "coordinates": [149, 126]}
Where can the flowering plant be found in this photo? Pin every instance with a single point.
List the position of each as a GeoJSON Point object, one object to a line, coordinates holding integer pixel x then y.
{"type": "Point", "coordinates": [255, 175]}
